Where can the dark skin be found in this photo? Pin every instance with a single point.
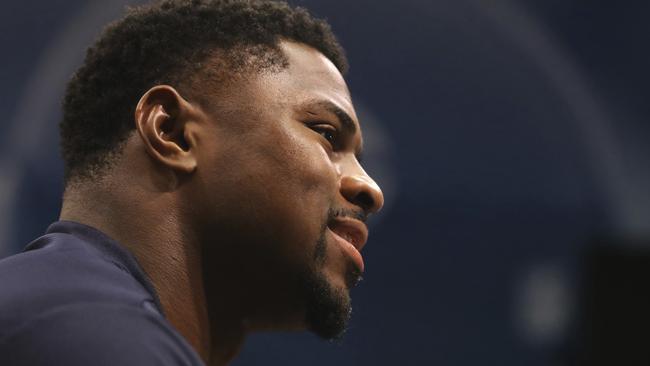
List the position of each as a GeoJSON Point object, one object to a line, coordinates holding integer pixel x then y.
{"type": "Point", "coordinates": [234, 190]}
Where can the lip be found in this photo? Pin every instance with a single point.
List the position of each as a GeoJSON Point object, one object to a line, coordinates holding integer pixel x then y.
{"type": "Point", "coordinates": [355, 230]}
{"type": "Point", "coordinates": [352, 235]}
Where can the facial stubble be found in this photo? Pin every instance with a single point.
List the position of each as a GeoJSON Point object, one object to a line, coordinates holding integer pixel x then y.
{"type": "Point", "coordinates": [328, 309]}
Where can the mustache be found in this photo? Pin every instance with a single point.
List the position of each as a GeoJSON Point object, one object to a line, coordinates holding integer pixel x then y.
{"type": "Point", "coordinates": [333, 214]}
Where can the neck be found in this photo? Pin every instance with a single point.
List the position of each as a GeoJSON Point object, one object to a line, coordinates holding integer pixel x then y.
{"type": "Point", "coordinates": [169, 255]}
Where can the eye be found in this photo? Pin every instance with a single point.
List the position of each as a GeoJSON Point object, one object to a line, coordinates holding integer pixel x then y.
{"type": "Point", "coordinates": [328, 132]}
{"type": "Point", "coordinates": [329, 136]}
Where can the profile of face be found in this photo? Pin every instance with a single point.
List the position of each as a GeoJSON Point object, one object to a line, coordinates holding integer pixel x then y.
{"type": "Point", "coordinates": [280, 196]}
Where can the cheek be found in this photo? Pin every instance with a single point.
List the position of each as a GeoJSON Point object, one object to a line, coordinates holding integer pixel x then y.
{"type": "Point", "coordinates": [301, 176]}
{"type": "Point", "coordinates": [275, 191]}
{"type": "Point", "coordinates": [299, 163]}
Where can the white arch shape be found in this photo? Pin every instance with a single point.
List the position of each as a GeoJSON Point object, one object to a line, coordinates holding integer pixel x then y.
{"type": "Point", "coordinates": [41, 96]}
{"type": "Point", "coordinates": [623, 195]}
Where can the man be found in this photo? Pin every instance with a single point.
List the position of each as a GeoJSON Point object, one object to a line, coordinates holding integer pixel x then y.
{"type": "Point", "coordinates": [213, 189]}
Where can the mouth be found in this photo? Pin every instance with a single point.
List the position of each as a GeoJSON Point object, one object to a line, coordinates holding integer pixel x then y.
{"type": "Point", "coordinates": [352, 236]}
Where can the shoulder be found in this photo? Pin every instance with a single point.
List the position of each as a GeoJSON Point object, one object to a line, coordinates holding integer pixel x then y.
{"type": "Point", "coordinates": [75, 297]}
{"type": "Point", "coordinates": [68, 300]}
{"type": "Point", "coordinates": [58, 274]}
{"type": "Point", "coordinates": [97, 334]}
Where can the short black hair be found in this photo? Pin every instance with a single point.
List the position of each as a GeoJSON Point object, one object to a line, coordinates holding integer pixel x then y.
{"type": "Point", "coordinates": [164, 43]}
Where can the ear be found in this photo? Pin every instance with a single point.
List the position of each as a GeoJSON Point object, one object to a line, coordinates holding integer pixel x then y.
{"type": "Point", "coordinates": [161, 119]}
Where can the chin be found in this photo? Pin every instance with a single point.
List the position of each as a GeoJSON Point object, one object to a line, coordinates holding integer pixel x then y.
{"type": "Point", "coordinates": [328, 308]}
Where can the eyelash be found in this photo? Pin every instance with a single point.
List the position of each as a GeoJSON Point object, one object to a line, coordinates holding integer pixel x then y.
{"type": "Point", "coordinates": [324, 130]}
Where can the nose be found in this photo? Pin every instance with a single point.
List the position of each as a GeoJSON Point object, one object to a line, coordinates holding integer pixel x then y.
{"type": "Point", "coordinates": [360, 190]}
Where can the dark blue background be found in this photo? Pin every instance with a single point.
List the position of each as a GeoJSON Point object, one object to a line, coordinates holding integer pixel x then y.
{"type": "Point", "coordinates": [506, 135]}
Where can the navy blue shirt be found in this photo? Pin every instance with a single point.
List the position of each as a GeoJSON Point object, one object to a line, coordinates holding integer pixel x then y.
{"type": "Point", "coordinates": [77, 297]}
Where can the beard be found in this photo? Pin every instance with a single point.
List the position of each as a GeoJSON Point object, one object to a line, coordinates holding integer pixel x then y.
{"type": "Point", "coordinates": [328, 309]}
{"type": "Point", "coordinates": [325, 309]}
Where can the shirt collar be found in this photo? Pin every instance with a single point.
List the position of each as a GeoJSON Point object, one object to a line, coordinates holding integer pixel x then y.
{"type": "Point", "coordinates": [109, 248]}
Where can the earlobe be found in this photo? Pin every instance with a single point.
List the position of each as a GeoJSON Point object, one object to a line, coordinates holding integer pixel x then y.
{"type": "Point", "coordinates": [161, 119]}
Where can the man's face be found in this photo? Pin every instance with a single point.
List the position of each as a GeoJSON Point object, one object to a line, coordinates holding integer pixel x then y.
{"type": "Point", "coordinates": [281, 195]}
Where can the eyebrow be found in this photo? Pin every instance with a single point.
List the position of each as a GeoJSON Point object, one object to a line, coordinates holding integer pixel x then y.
{"type": "Point", "coordinates": [344, 118]}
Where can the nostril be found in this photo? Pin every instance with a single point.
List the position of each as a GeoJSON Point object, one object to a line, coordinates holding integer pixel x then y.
{"type": "Point", "coordinates": [365, 201]}
{"type": "Point", "coordinates": [362, 192]}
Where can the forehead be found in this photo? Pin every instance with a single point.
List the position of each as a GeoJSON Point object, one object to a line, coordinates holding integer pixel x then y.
{"type": "Point", "coordinates": [309, 82]}
{"type": "Point", "coordinates": [311, 77]}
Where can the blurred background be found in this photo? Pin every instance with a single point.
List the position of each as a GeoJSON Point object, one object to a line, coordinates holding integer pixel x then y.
{"type": "Point", "coordinates": [511, 140]}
